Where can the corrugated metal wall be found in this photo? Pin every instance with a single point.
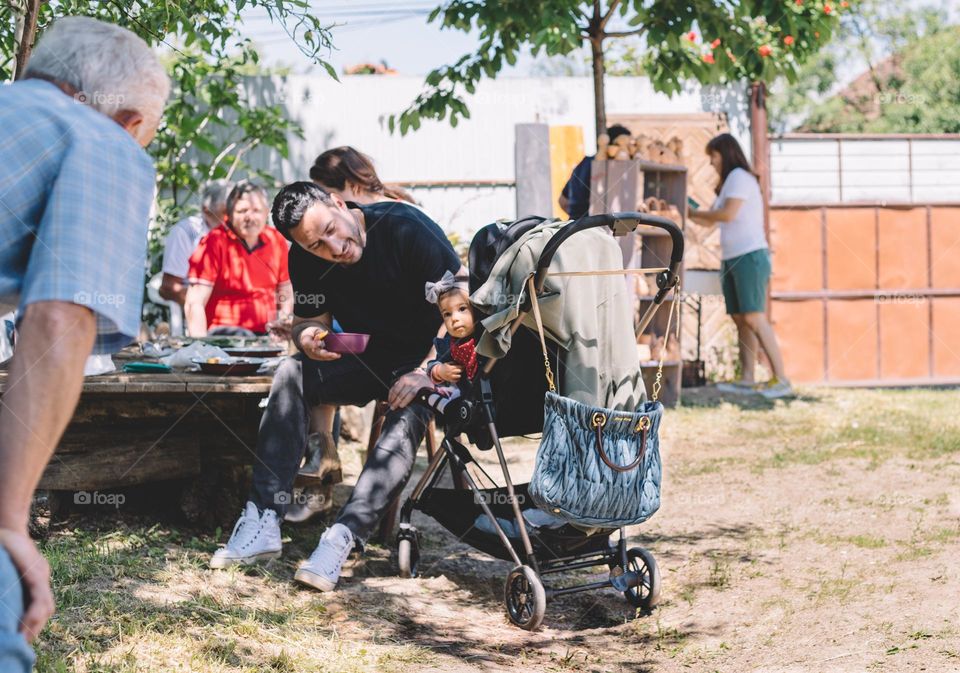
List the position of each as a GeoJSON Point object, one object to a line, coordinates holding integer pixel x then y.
{"type": "Point", "coordinates": [812, 168]}
{"type": "Point", "coordinates": [864, 232]}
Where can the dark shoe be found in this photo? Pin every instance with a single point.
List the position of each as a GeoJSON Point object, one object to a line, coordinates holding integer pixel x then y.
{"type": "Point", "coordinates": [310, 501]}
{"type": "Point", "coordinates": [321, 461]}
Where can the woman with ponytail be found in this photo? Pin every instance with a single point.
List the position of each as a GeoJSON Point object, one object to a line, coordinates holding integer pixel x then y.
{"type": "Point", "coordinates": [745, 269]}
{"type": "Point", "coordinates": [350, 175]}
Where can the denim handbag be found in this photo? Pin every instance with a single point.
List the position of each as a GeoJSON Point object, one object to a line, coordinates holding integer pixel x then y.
{"type": "Point", "coordinates": [596, 466]}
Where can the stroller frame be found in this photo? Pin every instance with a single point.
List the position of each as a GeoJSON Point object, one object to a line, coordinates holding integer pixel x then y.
{"type": "Point", "coordinates": [632, 571]}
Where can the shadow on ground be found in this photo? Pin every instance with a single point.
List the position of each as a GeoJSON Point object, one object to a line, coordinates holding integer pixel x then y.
{"type": "Point", "coordinates": [709, 396]}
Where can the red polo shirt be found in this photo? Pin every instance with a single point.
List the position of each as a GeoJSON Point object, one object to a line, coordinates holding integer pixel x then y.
{"type": "Point", "coordinates": [245, 281]}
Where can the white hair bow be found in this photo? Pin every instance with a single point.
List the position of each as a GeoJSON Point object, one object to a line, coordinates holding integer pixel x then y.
{"type": "Point", "coordinates": [447, 282]}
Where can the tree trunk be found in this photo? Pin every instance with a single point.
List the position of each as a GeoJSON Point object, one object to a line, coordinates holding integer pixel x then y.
{"type": "Point", "coordinates": [759, 130]}
{"type": "Point", "coordinates": [26, 37]}
{"type": "Point", "coordinates": [20, 20]}
{"type": "Point", "coordinates": [599, 104]}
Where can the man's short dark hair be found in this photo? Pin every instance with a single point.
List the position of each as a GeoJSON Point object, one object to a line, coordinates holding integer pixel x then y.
{"type": "Point", "coordinates": [240, 190]}
{"type": "Point", "coordinates": [617, 130]}
{"type": "Point", "coordinates": [293, 201]}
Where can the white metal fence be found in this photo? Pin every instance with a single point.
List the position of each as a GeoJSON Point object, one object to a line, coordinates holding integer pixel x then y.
{"type": "Point", "coordinates": [843, 168]}
{"type": "Point", "coordinates": [464, 207]}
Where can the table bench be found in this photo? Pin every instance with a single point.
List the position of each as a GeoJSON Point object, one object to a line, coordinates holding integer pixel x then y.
{"type": "Point", "coordinates": [133, 428]}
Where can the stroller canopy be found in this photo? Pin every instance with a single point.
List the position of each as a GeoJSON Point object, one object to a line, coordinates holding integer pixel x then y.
{"type": "Point", "coordinates": [589, 317]}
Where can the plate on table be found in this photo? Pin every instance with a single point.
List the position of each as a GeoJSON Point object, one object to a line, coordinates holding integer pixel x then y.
{"type": "Point", "coordinates": [232, 366]}
{"type": "Point", "coordinates": [346, 343]}
{"type": "Point", "coordinates": [254, 351]}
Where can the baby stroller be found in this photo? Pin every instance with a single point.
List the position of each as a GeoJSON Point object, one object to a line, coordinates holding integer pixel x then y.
{"type": "Point", "coordinates": [508, 401]}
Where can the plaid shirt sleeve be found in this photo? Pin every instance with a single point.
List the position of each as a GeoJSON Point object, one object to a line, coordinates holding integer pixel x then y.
{"type": "Point", "coordinates": [90, 246]}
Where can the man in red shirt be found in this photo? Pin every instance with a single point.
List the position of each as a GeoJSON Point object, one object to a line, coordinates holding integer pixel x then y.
{"type": "Point", "coordinates": [238, 273]}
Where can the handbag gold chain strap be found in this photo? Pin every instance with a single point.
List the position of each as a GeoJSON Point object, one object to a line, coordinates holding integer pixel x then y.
{"type": "Point", "coordinates": [666, 337]}
{"type": "Point", "coordinates": [543, 341]}
{"type": "Point", "coordinates": [657, 384]}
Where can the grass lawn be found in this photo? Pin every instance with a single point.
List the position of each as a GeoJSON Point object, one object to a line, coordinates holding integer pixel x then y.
{"type": "Point", "coordinates": [818, 533]}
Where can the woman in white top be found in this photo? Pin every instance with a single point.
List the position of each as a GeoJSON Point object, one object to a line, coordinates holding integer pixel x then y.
{"type": "Point", "coordinates": [745, 270]}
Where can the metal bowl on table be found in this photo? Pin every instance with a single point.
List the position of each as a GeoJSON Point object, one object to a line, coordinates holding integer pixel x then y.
{"type": "Point", "coordinates": [255, 351]}
{"type": "Point", "coordinates": [232, 366]}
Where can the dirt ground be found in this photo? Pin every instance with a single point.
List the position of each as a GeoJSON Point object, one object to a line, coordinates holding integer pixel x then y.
{"type": "Point", "coordinates": [820, 533]}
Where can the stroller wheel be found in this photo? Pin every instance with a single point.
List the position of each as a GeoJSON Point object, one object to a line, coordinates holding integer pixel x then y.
{"type": "Point", "coordinates": [645, 595]}
{"type": "Point", "coordinates": [525, 598]}
{"type": "Point", "coordinates": [408, 556]}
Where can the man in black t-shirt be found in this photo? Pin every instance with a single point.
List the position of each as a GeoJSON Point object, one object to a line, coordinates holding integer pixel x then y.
{"type": "Point", "coordinates": [367, 267]}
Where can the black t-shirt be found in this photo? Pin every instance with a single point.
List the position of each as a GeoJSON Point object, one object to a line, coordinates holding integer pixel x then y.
{"type": "Point", "coordinates": [383, 293]}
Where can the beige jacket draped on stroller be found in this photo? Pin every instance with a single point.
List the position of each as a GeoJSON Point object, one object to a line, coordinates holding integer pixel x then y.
{"type": "Point", "coordinates": [590, 317]}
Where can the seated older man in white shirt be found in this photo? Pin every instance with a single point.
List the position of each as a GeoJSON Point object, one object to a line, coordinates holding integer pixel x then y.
{"type": "Point", "coordinates": [184, 236]}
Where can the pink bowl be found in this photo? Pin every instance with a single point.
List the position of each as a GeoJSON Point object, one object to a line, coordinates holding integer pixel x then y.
{"type": "Point", "coordinates": [347, 343]}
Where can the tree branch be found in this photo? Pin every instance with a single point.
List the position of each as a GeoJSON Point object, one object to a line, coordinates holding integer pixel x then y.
{"type": "Point", "coordinates": [187, 145]}
{"type": "Point", "coordinates": [606, 17]}
{"type": "Point", "coordinates": [626, 33]}
{"type": "Point", "coordinates": [240, 153]}
{"type": "Point", "coordinates": [31, 8]}
{"type": "Point", "coordinates": [595, 21]}
{"type": "Point", "coordinates": [865, 50]}
{"type": "Point", "coordinates": [226, 150]}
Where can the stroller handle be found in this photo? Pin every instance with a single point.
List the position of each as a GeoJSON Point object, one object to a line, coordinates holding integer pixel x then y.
{"type": "Point", "coordinates": [619, 223]}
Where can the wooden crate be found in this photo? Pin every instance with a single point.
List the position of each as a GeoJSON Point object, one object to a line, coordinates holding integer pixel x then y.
{"type": "Point", "coordinates": [694, 131]}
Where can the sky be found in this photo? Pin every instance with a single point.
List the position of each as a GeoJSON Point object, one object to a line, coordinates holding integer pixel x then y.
{"type": "Point", "coordinates": [368, 31]}
{"type": "Point", "coordinates": [398, 32]}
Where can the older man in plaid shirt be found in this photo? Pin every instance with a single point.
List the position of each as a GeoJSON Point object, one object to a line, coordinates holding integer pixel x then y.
{"type": "Point", "coordinates": [75, 194]}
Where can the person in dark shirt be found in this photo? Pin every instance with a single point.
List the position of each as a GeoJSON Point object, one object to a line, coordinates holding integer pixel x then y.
{"type": "Point", "coordinates": [575, 197]}
{"type": "Point", "coordinates": [367, 267]}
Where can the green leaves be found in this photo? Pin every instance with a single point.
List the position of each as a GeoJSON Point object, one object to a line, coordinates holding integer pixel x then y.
{"type": "Point", "coordinates": [666, 55]}
{"type": "Point", "coordinates": [920, 94]}
{"type": "Point", "coordinates": [759, 40]}
{"type": "Point", "coordinates": [213, 119]}
{"type": "Point", "coordinates": [506, 28]}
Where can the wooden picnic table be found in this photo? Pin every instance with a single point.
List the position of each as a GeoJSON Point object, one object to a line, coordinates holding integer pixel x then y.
{"type": "Point", "coordinates": [132, 428]}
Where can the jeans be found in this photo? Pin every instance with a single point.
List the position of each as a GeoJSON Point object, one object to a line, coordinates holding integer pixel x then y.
{"type": "Point", "coordinates": [15, 654]}
{"type": "Point", "coordinates": [301, 383]}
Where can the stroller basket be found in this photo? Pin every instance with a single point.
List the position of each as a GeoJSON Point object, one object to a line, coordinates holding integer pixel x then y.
{"type": "Point", "coordinates": [503, 521]}
{"type": "Point", "coordinates": [458, 511]}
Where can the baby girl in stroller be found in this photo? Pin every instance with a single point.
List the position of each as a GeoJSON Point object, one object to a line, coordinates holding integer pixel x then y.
{"type": "Point", "coordinates": [455, 368]}
{"type": "Point", "coordinates": [457, 361]}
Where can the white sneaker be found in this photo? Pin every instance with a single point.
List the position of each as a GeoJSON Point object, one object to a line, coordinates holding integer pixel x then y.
{"type": "Point", "coordinates": [776, 389]}
{"type": "Point", "coordinates": [737, 387]}
{"type": "Point", "coordinates": [255, 537]}
{"type": "Point", "coordinates": [323, 568]}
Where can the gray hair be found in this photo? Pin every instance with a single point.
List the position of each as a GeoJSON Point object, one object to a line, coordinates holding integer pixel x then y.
{"type": "Point", "coordinates": [240, 190]}
{"type": "Point", "coordinates": [111, 68]}
{"type": "Point", "coordinates": [215, 195]}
